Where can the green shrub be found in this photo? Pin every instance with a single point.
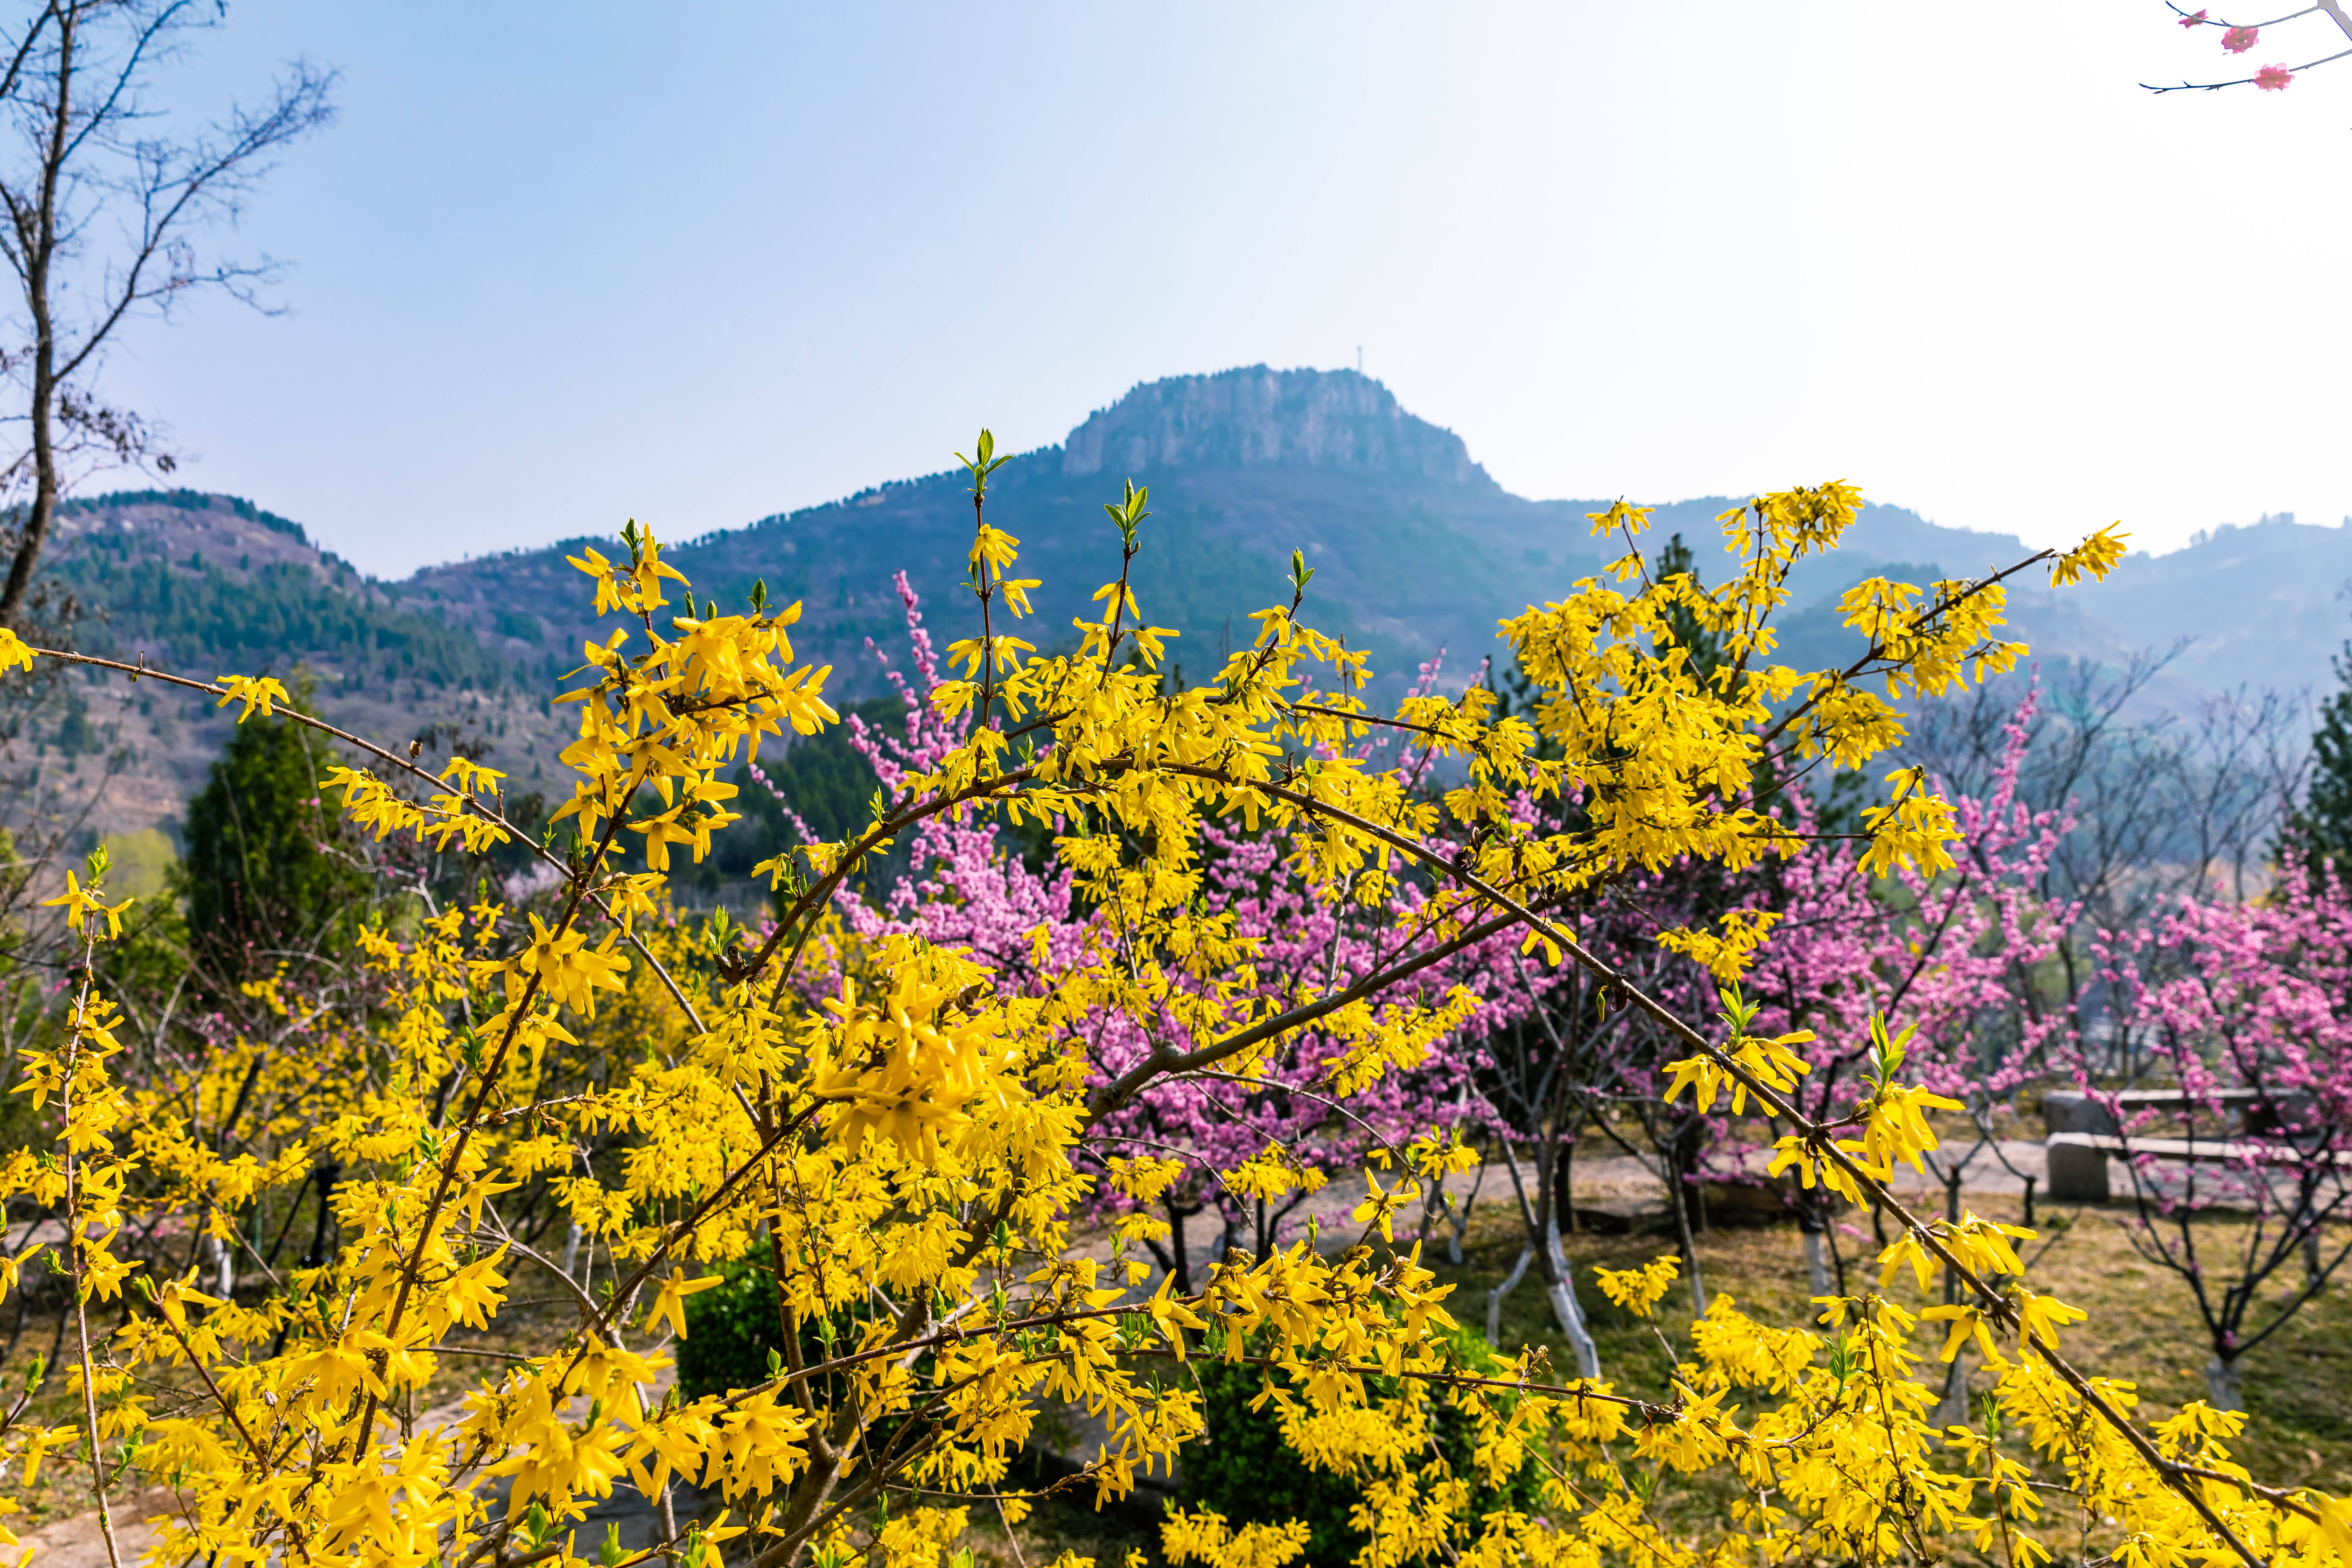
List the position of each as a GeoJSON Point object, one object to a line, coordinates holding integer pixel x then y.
{"type": "Point", "coordinates": [731, 1331]}
{"type": "Point", "coordinates": [1242, 1468]}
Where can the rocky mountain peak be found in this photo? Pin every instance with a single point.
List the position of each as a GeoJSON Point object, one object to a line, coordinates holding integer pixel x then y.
{"type": "Point", "coordinates": [1257, 417]}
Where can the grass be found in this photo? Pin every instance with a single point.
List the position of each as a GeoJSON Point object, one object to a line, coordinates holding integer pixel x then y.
{"type": "Point", "coordinates": [2144, 1324]}
{"type": "Point", "coordinates": [2143, 1327]}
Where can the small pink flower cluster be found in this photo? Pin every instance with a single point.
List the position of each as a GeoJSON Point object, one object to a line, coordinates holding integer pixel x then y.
{"type": "Point", "coordinates": [967, 887]}
{"type": "Point", "coordinates": [2237, 40]}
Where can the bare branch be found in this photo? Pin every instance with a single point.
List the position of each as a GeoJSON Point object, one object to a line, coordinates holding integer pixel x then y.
{"type": "Point", "coordinates": [75, 154]}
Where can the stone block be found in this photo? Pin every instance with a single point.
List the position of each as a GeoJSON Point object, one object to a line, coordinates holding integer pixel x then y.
{"type": "Point", "coordinates": [2078, 1169]}
{"type": "Point", "coordinates": [2072, 1110]}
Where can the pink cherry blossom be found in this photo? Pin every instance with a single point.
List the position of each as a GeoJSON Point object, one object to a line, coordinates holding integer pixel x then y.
{"type": "Point", "coordinates": [2194, 19]}
{"type": "Point", "coordinates": [2271, 78]}
{"type": "Point", "coordinates": [1944, 954]}
{"type": "Point", "coordinates": [2246, 1008]}
{"type": "Point", "coordinates": [2238, 40]}
{"type": "Point", "coordinates": [967, 888]}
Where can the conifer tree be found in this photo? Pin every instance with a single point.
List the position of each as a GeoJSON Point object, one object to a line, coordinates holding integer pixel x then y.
{"type": "Point", "coordinates": [2322, 830]}
{"type": "Point", "coordinates": [263, 875]}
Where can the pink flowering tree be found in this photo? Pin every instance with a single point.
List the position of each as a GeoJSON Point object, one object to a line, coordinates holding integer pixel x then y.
{"type": "Point", "coordinates": [1560, 1061]}
{"type": "Point", "coordinates": [1950, 959]}
{"type": "Point", "coordinates": [2231, 1016]}
{"type": "Point", "coordinates": [968, 886]}
{"type": "Point", "coordinates": [1954, 967]}
{"type": "Point", "coordinates": [2238, 38]}
{"type": "Point", "coordinates": [1950, 976]}
{"type": "Point", "coordinates": [2248, 1008]}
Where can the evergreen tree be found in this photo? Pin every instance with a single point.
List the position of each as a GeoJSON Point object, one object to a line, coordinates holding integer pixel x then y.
{"type": "Point", "coordinates": [265, 876]}
{"type": "Point", "coordinates": [1705, 648]}
{"type": "Point", "coordinates": [2322, 830]}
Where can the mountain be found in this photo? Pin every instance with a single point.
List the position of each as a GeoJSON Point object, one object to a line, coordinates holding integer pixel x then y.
{"type": "Point", "coordinates": [1416, 549]}
{"type": "Point", "coordinates": [202, 584]}
{"type": "Point", "coordinates": [2262, 605]}
{"type": "Point", "coordinates": [1413, 544]}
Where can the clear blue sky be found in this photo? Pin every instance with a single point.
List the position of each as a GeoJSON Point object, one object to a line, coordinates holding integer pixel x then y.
{"type": "Point", "coordinates": [559, 265]}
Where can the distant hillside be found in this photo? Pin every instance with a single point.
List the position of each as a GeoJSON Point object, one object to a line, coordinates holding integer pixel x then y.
{"type": "Point", "coordinates": [1415, 547]}
{"type": "Point", "coordinates": [194, 578]}
{"type": "Point", "coordinates": [1413, 544]}
{"type": "Point", "coordinates": [2265, 604]}
{"type": "Point", "coordinates": [203, 584]}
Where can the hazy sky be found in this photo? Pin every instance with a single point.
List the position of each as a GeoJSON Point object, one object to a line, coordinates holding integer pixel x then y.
{"type": "Point", "coordinates": [564, 264]}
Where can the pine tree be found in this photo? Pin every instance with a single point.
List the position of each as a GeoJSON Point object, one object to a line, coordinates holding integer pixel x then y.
{"type": "Point", "coordinates": [1705, 648]}
{"type": "Point", "coordinates": [263, 879]}
{"type": "Point", "coordinates": [2322, 830]}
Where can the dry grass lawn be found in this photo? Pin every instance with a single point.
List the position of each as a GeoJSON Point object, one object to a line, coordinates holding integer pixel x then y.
{"type": "Point", "coordinates": [2143, 1327]}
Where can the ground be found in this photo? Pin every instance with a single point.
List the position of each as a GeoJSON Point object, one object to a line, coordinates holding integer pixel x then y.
{"type": "Point", "coordinates": [2143, 1326]}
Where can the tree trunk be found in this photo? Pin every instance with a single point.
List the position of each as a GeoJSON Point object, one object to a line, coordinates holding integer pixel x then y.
{"type": "Point", "coordinates": [1457, 1215]}
{"type": "Point", "coordinates": [224, 1268]}
{"type": "Point", "coordinates": [1560, 1283]}
{"type": "Point", "coordinates": [1682, 1230]}
{"type": "Point", "coordinates": [1561, 1288]}
{"type": "Point", "coordinates": [1564, 1192]}
{"type": "Point", "coordinates": [1952, 1410]}
{"type": "Point", "coordinates": [1817, 1263]}
{"type": "Point", "coordinates": [2222, 1384]}
{"type": "Point", "coordinates": [37, 249]}
{"type": "Point", "coordinates": [328, 1174]}
{"type": "Point", "coordinates": [1495, 1297]}
{"type": "Point", "coordinates": [1689, 1145]}
{"type": "Point", "coordinates": [43, 510]}
{"type": "Point", "coordinates": [1182, 1256]}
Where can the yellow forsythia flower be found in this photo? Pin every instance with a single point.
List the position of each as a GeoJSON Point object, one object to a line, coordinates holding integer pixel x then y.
{"type": "Point", "coordinates": [263, 694]}
{"type": "Point", "coordinates": [1638, 1290]}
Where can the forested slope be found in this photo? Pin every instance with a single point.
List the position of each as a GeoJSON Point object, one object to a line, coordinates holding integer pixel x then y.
{"type": "Point", "coordinates": [1416, 549]}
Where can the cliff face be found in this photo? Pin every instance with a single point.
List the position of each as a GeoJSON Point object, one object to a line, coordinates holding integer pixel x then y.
{"type": "Point", "coordinates": [1256, 418]}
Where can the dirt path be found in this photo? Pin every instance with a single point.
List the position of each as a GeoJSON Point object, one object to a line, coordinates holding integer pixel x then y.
{"type": "Point", "coordinates": [76, 1542]}
{"type": "Point", "coordinates": [1614, 1190]}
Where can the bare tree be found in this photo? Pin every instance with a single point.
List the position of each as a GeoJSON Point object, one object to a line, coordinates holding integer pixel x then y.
{"type": "Point", "coordinates": [102, 202]}
{"type": "Point", "coordinates": [2163, 801]}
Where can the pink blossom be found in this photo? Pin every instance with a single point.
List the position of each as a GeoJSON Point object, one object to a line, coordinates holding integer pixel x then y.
{"type": "Point", "coordinates": [2271, 78]}
{"type": "Point", "coordinates": [967, 887]}
{"type": "Point", "coordinates": [1943, 957]}
{"type": "Point", "coordinates": [2197, 19]}
{"type": "Point", "coordinates": [2244, 1003]}
{"type": "Point", "coordinates": [2238, 40]}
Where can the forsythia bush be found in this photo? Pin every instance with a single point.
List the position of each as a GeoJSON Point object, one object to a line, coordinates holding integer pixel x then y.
{"type": "Point", "coordinates": [902, 1144]}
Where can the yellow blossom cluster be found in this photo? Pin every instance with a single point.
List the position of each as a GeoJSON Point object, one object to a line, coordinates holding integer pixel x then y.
{"type": "Point", "coordinates": [902, 1150]}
